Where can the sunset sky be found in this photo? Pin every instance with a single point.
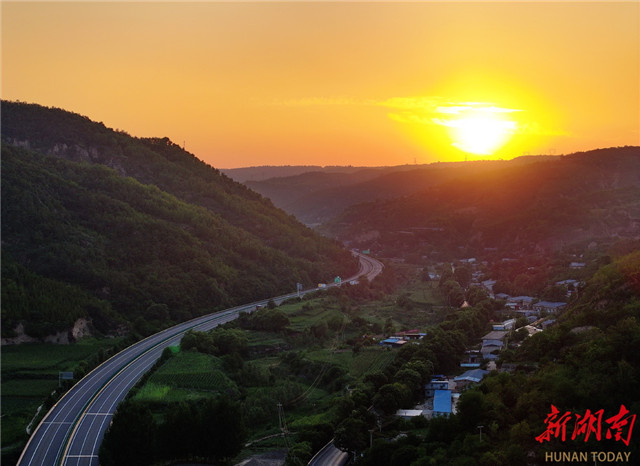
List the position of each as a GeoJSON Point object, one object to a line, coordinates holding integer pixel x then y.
{"type": "Point", "coordinates": [321, 83]}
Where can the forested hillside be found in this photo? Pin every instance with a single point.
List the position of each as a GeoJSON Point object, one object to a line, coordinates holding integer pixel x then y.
{"type": "Point", "coordinates": [138, 232]}
{"type": "Point", "coordinates": [545, 205]}
{"type": "Point", "coordinates": [320, 194]}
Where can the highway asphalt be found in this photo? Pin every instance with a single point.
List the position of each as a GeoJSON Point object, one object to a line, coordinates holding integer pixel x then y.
{"type": "Point", "coordinates": [71, 432]}
{"type": "Point", "coordinates": [329, 455]}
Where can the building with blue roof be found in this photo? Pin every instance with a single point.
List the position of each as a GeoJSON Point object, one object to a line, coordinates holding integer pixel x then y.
{"type": "Point", "coordinates": [548, 306]}
{"type": "Point", "coordinates": [442, 403]}
{"type": "Point", "coordinates": [469, 377]}
{"type": "Point", "coordinates": [393, 342]}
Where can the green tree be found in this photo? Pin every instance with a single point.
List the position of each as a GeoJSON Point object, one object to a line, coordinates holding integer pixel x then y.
{"type": "Point", "coordinates": [131, 439]}
{"type": "Point", "coordinates": [453, 293]}
{"type": "Point", "coordinates": [462, 274]}
{"type": "Point", "coordinates": [352, 435]}
{"type": "Point", "coordinates": [299, 454]}
{"type": "Point", "coordinates": [471, 408]}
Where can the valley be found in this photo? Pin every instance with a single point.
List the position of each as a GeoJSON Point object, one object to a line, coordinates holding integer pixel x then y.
{"type": "Point", "coordinates": [512, 268]}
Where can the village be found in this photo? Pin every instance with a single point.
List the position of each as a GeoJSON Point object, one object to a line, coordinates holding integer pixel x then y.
{"type": "Point", "coordinates": [524, 316]}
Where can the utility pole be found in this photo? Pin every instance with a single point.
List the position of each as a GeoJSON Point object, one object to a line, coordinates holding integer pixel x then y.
{"type": "Point", "coordinates": [283, 425]}
{"type": "Point", "coordinates": [480, 427]}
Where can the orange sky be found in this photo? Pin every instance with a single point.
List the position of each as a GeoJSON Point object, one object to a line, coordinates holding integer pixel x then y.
{"type": "Point", "coordinates": [336, 83]}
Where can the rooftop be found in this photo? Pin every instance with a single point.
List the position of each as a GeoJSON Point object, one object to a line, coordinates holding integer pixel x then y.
{"type": "Point", "coordinates": [475, 375]}
{"type": "Point", "coordinates": [442, 401]}
{"type": "Point", "coordinates": [495, 335]}
{"type": "Point", "coordinates": [550, 304]}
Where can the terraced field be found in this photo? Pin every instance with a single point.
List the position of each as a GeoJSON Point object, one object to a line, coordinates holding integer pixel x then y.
{"type": "Point", "coordinates": [185, 372]}
{"type": "Point", "coordinates": [368, 359]}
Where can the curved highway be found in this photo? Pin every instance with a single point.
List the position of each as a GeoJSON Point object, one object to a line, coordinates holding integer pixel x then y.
{"type": "Point", "coordinates": [329, 455]}
{"type": "Point", "coordinates": [71, 432]}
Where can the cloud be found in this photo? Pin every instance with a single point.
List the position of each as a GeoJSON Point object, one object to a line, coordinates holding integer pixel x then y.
{"type": "Point", "coordinates": [408, 117]}
{"type": "Point", "coordinates": [423, 103]}
{"type": "Point", "coordinates": [432, 110]}
{"type": "Point", "coordinates": [470, 107]}
{"type": "Point", "coordinates": [536, 129]}
{"type": "Point", "coordinates": [398, 103]}
{"type": "Point", "coordinates": [319, 101]}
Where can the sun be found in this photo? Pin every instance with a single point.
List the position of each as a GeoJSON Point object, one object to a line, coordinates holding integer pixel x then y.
{"type": "Point", "coordinates": [478, 129]}
{"type": "Point", "coordinates": [481, 135]}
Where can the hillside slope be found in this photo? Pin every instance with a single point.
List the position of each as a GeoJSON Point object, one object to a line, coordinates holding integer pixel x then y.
{"type": "Point", "coordinates": [542, 205]}
{"type": "Point", "coordinates": [317, 196]}
{"type": "Point", "coordinates": [150, 232]}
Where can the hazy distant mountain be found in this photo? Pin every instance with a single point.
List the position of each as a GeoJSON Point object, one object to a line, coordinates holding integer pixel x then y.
{"type": "Point", "coordinates": [135, 230]}
{"type": "Point", "coordinates": [316, 196]}
{"type": "Point", "coordinates": [266, 172]}
{"type": "Point", "coordinates": [545, 204]}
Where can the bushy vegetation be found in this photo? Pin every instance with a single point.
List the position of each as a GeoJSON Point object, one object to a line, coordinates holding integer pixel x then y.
{"type": "Point", "coordinates": [135, 231]}
{"type": "Point", "coordinates": [47, 306]}
{"type": "Point", "coordinates": [307, 353]}
{"type": "Point", "coordinates": [507, 210]}
{"type": "Point", "coordinates": [586, 362]}
{"type": "Point", "coordinates": [209, 429]}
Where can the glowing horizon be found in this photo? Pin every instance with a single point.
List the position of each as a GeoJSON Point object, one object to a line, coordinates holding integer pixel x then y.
{"type": "Point", "coordinates": [262, 83]}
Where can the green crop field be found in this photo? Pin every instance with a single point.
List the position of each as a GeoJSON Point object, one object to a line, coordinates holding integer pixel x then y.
{"type": "Point", "coordinates": [258, 338]}
{"type": "Point", "coordinates": [367, 360]}
{"type": "Point", "coordinates": [165, 394]}
{"type": "Point", "coordinates": [297, 376]}
{"type": "Point", "coordinates": [50, 358]}
{"type": "Point", "coordinates": [29, 375]}
{"type": "Point", "coordinates": [188, 370]}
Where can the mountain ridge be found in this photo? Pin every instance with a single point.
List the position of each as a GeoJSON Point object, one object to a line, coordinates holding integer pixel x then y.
{"type": "Point", "coordinates": [150, 231]}
{"type": "Point", "coordinates": [546, 204]}
{"type": "Point", "coordinates": [315, 197]}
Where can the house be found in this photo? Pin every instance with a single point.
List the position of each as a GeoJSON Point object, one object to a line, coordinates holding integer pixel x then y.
{"type": "Point", "coordinates": [393, 342]}
{"type": "Point", "coordinates": [470, 377]}
{"type": "Point", "coordinates": [547, 322]}
{"type": "Point", "coordinates": [522, 302]}
{"type": "Point", "coordinates": [471, 358]}
{"type": "Point", "coordinates": [410, 335]}
{"type": "Point", "coordinates": [431, 387]}
{"type": "Point", "coordinates": [488, 284]}
{"type": "Point", "coordinates": [490, 348]}
{"type": "Point", "coordinates": [528, 313]}
{"type": "Point", "coordinates": [506, 325]}
{"type": "Point", "coordinates": [548, 306]}
{"type": "Point", "coordinates": [494, 335]}
{"type": "Point", "coordinates": [511, 306]}
{"type": "Point", "coordinates": [577, 265]}
{"type": "Point", "coordinates": [492, 342]}
{"type": "Point", "coordinates": [442, 403]}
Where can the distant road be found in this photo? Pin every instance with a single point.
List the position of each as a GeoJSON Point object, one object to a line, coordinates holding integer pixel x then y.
{"type": "Point", "coordinates": [71, 432]}
{"type": "Point", "coordinates": [329, 456]}
{"type": "Point", "coordinates": [369, 267]}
